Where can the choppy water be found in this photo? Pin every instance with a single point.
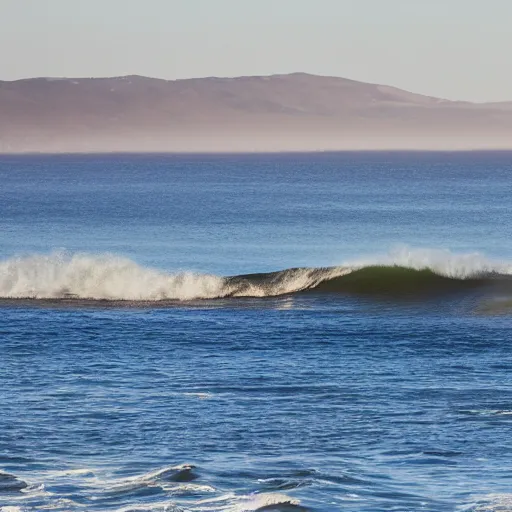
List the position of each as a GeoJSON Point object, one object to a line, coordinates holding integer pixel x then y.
{"type": "Point", "coordinates": [151, 359]}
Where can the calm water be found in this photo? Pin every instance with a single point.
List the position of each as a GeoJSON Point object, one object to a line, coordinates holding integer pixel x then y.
{"type": "Point", "coordinates": [134, 376]}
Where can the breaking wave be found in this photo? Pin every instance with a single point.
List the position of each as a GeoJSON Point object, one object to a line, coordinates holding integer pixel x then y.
{"type": "Point", "coordinates": [270, 501]}
{"type": "Point", "coordinates": [169, 489]}
{"type": "Point", "coordinates": [111, 277]}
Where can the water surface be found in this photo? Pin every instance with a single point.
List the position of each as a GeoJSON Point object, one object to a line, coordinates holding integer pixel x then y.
{"type": "Point", "coordinates": [150, 362]}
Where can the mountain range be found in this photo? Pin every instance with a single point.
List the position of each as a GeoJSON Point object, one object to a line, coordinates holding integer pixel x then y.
{"type": "Point", "coordinates": [294, 112]}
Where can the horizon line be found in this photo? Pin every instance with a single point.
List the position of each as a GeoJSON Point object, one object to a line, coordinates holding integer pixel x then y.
{"type": "Point", "coordinates": [497, 149]}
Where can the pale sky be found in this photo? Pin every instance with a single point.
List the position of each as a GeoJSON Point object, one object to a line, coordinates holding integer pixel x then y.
{"type": "Point", "coordinates": [456, 49]}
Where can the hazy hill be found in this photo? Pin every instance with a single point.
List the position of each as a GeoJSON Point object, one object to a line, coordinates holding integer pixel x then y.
{"type": "Point", "coordinates": [280, 112]}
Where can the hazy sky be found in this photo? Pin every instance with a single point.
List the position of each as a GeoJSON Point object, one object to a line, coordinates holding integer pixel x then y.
{"type": "Point", "coordinates": [457, 49]}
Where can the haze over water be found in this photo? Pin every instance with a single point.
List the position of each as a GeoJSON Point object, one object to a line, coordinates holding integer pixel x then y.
{"type": "Point", "coordinates": [149, 362]}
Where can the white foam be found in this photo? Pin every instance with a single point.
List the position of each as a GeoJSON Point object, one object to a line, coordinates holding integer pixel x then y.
{"type": "Point", "coordinates": [168, 479]}
{"type": "Point", "coordinates": [187, 489]}
{"type": "Point", "coordinates": [290, 281]}
{"type": "Point", "coordinates": [488, 412]}
{"type": "Point", "coordinates": [111, 277]}
{"type": "Point", "coordinates": [83, 472]}
{"type": "Point", "coordinates": [265, 501]}
{"type": "Point", "coordinates": [440, 261]}
{"type": "Point", "coordinates": [165, 473]}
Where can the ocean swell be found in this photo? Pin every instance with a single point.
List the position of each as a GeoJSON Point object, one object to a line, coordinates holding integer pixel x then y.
{"type": "Point", "coordinates": [114, 278]}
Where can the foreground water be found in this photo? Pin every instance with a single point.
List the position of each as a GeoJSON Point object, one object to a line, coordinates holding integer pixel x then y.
{"type": "Point", "coordinates": [136, 377]}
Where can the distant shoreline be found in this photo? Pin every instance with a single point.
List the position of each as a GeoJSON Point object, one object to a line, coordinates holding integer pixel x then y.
{"type": "Point", "coordinates": [296, 112]}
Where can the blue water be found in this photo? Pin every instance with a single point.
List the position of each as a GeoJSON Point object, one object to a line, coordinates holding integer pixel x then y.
{"type": "Point", "coordinates": [119, 372]}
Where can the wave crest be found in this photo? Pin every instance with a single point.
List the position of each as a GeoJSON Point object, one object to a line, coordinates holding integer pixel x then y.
{"type": "Point", "coordinates": [114, 278]}
{"type": "Point", "coordinates": [106, 277]}
{"type": "Point", "coordinates": [442, 262]}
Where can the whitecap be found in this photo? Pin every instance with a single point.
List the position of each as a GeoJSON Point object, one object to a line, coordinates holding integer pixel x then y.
{"type": "Point", "coordinates": [266, 501]}
{"type": "Point", "coordinates": [440, 261]}
{"type": "Point", "coordinates": [100, 277]}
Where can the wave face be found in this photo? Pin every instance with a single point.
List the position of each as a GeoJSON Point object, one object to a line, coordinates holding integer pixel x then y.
{"type": "Point", "coordinates": [110, 277]}
{"type": "Point", "coordinates": [10, 483]}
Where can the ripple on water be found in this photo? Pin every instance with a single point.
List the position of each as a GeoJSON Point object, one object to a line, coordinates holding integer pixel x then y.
{"type": "Point", "coordinates": [11, 483]}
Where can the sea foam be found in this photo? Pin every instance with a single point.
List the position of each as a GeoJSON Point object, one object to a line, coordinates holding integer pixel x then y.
{"type": "Point", "coordinates": [108, 277]}
{"type": "Point", "coordinates": [112, 277]}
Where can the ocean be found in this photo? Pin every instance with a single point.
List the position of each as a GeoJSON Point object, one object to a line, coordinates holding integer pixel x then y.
{"type": "Point", "coordinates": [287, 332]}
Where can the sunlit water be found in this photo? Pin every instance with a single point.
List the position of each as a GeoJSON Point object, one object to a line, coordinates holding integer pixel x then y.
{"type": "Point", "coordinates": [137, 376]}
